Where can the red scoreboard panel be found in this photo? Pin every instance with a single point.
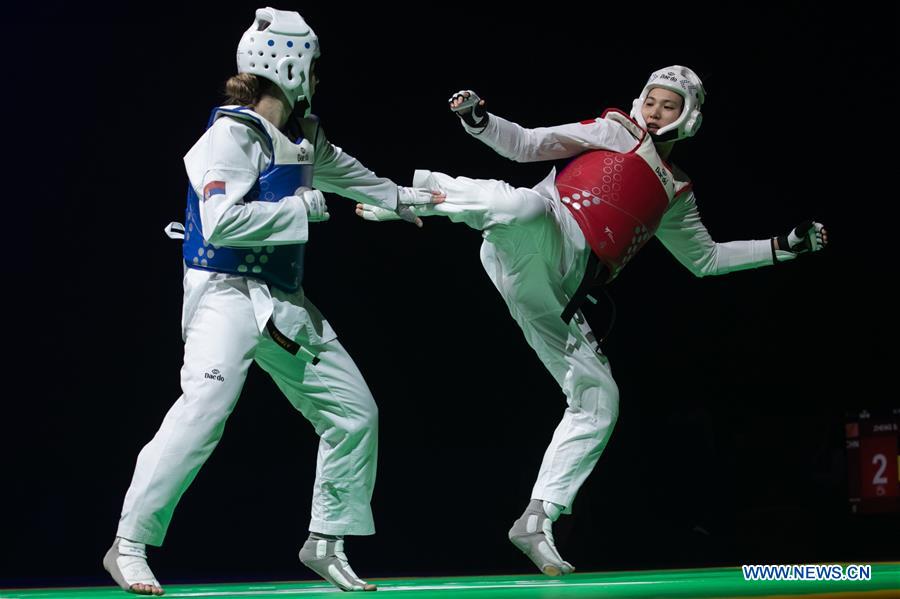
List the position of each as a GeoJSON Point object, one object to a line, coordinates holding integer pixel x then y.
{"type": "Point", "coordinates": [873, 461]}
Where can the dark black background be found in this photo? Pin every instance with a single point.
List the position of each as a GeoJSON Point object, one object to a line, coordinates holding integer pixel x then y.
{"type": "Point", "coordinates": [729, 447]}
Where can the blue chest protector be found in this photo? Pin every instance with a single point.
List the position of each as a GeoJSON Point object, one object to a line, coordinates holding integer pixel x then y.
{"type": "Point", "coordinates": [278, 265]}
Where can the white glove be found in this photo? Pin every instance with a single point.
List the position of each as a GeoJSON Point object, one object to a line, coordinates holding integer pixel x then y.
{"type": "Point", "coordinates": [374, 213]}
{"type": "Point", "coordinates": [808, 236]}
{"type": "Point", "coordinates": [316, 209]}
{"type": "Point", "coordinates": [411, 201]}
{"type": "Point", "coordinates": [470, 108]}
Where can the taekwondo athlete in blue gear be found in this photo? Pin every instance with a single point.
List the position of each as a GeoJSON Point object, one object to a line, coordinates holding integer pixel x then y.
{"type": "Point", "coordinates": [253, 193]}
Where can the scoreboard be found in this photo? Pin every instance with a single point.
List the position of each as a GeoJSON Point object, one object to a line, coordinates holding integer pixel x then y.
{"type": "Point", "coordinates": [873, 460]}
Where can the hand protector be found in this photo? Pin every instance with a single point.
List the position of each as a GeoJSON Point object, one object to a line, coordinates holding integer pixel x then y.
{"type": "Point", "coordinates": [411, 198]}
{"type": "Point", "coordinates": [314, 200]}
{"type": "Point", "coordinates": [376, 214]}
{"type": "Point", "coordinates": [808, 236]}
{"type": "Point", "coordinates": [471, 110]}
{"type": "Point", "coordinates": [412, 203]}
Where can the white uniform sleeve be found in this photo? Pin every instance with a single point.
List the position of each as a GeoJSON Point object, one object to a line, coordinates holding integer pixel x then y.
{"type": "Point", "coordinates": [683, 234]}
{"type": "Point", "coordinates": [551, 143]}
{"type": "Point", "coordinates": [233, 153]}
{"type": "Point", "coordinates": [340, 173]}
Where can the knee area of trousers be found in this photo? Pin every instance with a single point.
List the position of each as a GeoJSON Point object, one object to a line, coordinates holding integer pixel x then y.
{"type": "Point", "coordinates": [599, 403]}
{"type": "Point", "coordinates": [211, 422]}
{"type": "Point", "coordinates": [614, 412]}
{"type": "Point", "coordinates": [611, 405]}
{"type": "Point", "coordinates": [359, 425]}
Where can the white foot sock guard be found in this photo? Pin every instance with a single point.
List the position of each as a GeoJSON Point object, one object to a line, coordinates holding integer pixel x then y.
{"type": "Point", "coordinates": [532, 533]}
{"type": "Point", "coordinates": [126, 561]}
{"type": "Point", "coordinates": [324, 555]}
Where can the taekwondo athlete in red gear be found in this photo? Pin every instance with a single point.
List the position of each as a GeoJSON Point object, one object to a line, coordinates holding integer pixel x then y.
{"type": "Point", "coordinates": [546, 247]}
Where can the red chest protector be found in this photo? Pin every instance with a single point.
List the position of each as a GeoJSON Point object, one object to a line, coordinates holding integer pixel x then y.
{"type": "Point", "coordinates": [618, 199]}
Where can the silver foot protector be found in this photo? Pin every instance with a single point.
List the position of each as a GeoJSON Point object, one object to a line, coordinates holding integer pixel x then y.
{"type": "Point", "coordinates": [126, 561]}
{"type": "Point", "coordinates": [326, 558]}
{"type": "Point", "coordinates": [532, 533]}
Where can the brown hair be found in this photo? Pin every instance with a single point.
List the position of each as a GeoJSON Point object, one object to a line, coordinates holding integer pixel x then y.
{"type": "Point", "coordinates": [245, 89]}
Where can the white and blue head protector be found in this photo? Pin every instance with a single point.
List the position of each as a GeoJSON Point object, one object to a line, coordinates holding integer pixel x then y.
{"type": "Point", "coordinates": [684, 82]}
{"type": "Point", "coordinates": [281, 47]}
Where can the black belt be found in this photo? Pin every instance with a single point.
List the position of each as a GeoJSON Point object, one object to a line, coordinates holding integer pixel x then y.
{"type": "Point", "coordinates": [595, 277]}
{"type": "Point", "coordinates": [289, 345]}
{"type": "Point", "coordinates": [595, 274]}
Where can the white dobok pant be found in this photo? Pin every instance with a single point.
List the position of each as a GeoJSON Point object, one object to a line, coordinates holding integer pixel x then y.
{"type": "Point", "coordinates": [535, 254]}
{"type": "Point", "coordinates": [221, 339]}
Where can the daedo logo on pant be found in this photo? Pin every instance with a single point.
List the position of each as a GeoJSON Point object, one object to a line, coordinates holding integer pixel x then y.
{"type": "Point", "coordinates": [214, 375]}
